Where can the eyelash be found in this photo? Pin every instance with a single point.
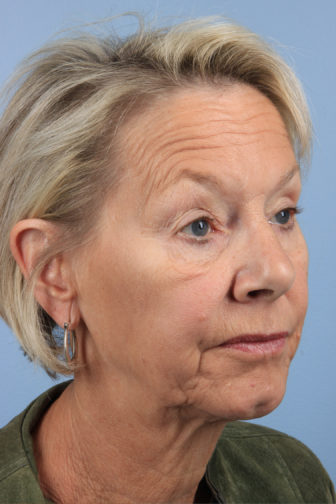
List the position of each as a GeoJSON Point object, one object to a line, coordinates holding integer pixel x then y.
{"type": "Point", "coordinates": [211, 222]}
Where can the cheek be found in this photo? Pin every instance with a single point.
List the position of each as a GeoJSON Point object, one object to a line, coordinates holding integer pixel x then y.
{"type": "Point", "coordinates": [299, 291]}
{"type": "Point", "coordinates": [145, 301]}
{"type": "Point", "coordinates": [195, 300]}
{"type": "Point", "coordinates": [298, 254]}
{"type": "Point", "coordinates": [168, 290]}
{"type": "Point", "coordinates": [298, 294]}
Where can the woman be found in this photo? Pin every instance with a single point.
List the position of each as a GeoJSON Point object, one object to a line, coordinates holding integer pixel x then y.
{"type": "Point", "coordinates": [149, 188]}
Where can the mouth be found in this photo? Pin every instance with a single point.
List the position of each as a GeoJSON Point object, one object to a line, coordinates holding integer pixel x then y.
{"type": "Point", "coordinates": [258, 344]}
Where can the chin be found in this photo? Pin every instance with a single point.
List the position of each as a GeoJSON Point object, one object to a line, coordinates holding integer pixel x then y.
{"type": "Point", "coordinates": [257, 405]}
{"type": "Point", "coordinates": [236, 408]}
{"type": "Point", "coordinates": [244, 395]}
{"type": "Point", "coordinates": [246, 403]}
{"type": "Point", "coordinates": [260, 409]}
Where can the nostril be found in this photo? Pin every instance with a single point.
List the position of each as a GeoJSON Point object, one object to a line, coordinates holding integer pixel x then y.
{"type": "Point", "coordinates": [260, 293]}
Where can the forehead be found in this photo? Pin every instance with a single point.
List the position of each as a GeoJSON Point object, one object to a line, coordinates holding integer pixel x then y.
{"type": "Point", "coordinates": [203, 126]}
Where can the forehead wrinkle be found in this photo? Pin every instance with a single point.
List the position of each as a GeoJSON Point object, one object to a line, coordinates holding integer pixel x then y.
{"type": "Point", "coordinates": [148, 155]}
{"type": "Point", "coordinates": [173, 133]}
{"type": "Point", "coordinates": [174, 128]}
{"type": "Point", "coordinates": [154, 178]}
{"type": "Point", "coordinates": [157, 180]}
{"type": "Point", "coordinates": [153, 140]}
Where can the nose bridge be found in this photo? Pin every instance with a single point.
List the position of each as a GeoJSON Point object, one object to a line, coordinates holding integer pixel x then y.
{"type": "Point", "coordinates": [266, 267]}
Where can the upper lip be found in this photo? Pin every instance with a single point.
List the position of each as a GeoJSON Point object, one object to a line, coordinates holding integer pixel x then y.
{"type": "Point", "coordinates": [256, 338]}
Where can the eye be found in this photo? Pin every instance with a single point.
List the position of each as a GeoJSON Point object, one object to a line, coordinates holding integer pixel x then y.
{"type": "Point", "coordinates": [199, 228]}
{"type": "Point", "coordinates": [285, 217]}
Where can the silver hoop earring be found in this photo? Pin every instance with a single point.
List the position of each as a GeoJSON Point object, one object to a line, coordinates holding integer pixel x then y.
{"type": "Point", "coordinates": [69, 343]}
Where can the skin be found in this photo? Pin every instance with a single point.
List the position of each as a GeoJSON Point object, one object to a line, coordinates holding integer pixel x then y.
{"type": "Point", "coordinates": [153, 304]}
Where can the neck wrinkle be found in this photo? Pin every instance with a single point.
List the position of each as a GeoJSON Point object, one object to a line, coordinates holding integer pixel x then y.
{"type": "Point", "coordinates": [122, 462]}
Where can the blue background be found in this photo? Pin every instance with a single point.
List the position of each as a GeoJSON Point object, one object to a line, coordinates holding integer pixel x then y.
{"type": "Point", "coordinates": [306, 31]}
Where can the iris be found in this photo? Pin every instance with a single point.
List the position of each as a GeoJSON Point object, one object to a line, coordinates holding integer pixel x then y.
{"type": "Point", "coordinates": [200, 227]}
{"type": "Point", "coordinates": [283, 216]}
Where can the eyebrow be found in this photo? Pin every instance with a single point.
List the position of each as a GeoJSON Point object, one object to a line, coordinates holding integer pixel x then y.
{"type": "Point", "coordinates": [287, 177]}
{"type": "Point", "coordinates": [214, 183]}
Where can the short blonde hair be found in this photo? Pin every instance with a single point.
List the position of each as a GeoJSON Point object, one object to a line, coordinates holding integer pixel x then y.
{"type": "Point", "coordinates": [58, 134]}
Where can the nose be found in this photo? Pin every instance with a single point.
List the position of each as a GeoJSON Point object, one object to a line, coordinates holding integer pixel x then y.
{"type": "Point", "coordinates": [266, 270]}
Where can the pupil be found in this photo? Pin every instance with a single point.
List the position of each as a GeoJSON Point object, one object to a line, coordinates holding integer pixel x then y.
{"type": "Point", "coordinates": [283, 216]}
{"type": "Point", "coordinates": [200, 227]}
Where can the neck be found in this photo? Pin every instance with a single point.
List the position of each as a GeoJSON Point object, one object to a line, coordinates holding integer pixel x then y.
{"type": "Point", "coordinates": [157, 456]}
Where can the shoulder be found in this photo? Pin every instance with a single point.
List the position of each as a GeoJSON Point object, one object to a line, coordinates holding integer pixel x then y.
{"type": "Point", "coordinates": [16, 477]}
{"type": "Point", "coordinates": [265, 465]}
{"type": "Point", "coordinates": [263, 440]}
{"type": "Point", "coordinates": [18, 473]}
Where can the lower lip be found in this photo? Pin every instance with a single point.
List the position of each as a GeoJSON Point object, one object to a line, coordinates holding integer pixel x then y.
{"type": "Point", "coordinates": [260, 347]}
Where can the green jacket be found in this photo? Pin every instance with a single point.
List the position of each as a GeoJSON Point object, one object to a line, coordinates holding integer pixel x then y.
{"type": "Point", "coordinates": [251, 464]}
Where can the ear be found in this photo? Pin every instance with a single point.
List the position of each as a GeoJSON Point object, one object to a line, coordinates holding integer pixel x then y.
{"type": "Point", "coordinates": [54, 289]}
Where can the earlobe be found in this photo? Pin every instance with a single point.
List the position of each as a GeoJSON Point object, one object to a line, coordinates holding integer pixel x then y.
{"type": "Point", "coordinates": [29, 240]}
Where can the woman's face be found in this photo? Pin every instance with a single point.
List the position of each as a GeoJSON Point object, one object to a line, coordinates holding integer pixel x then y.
{"type": "Point", "coordinates": [194, 292]}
